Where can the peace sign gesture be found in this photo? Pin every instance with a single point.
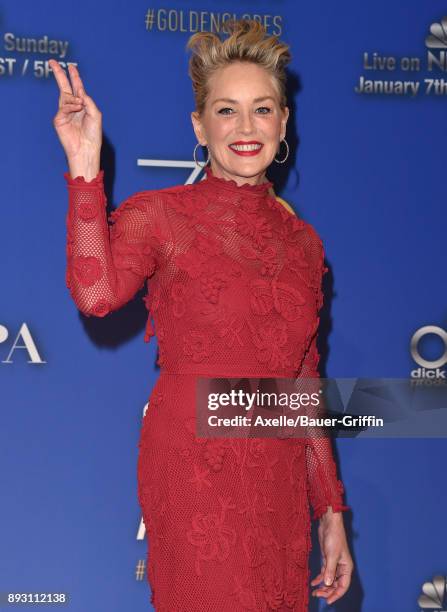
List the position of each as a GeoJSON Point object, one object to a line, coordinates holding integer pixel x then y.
{"type": "Point", "coordinates": [78, 123]}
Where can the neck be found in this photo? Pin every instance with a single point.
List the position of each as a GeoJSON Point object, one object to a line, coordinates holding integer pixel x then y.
{"type": "Point", "coordinates": [257, 179]}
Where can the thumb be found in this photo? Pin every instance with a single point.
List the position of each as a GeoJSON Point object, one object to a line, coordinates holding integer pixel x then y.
{"type": "Point", "coordinates": [90, 106]}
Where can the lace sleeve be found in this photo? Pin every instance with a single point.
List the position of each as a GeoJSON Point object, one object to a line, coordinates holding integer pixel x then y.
{"type": "Point", "coordinates": [324, 488]}
{"type": "Point", "coordinates": [107, 264]}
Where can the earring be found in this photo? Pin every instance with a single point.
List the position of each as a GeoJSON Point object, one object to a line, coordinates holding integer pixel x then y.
{"type": "Point", "coordinates": [281, 161]}
{"type": "Point", "coordinates": [194, 156]}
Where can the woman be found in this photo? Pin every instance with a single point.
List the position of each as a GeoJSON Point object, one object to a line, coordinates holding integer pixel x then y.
{"type": "Point", "coordinates": [235, 290]}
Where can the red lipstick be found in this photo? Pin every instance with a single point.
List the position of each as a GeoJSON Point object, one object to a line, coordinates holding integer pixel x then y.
{"type": "Point", "coordinates": [246, 151]}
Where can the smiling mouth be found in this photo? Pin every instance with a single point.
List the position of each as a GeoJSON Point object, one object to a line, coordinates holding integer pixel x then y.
{"type": "Point", "coordinates": [246, 149]}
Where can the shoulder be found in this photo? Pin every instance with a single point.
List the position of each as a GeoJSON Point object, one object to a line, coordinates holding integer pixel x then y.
{"type": "Point", "coordinates": [311, 241]}
{"type": "Point", "coordinates": [160, 197]}
{"type": "Point", "coordinates": [285, 204]}
{"type": "Point", "coordinates": [308, 228]}
{"type": "Point", "coordinates": [314, 236]}
{"type": "Point", "coordinates": [165, 192]}
{"type": "Point", "coordinates": [148, 201]}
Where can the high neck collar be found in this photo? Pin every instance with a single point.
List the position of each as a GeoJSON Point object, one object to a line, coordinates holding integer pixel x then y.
{"type": "Point", "coordinates": [217, 182]}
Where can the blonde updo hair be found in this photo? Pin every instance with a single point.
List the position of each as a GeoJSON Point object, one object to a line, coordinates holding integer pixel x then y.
{"type": "Point", "coordinates": [247, 42]}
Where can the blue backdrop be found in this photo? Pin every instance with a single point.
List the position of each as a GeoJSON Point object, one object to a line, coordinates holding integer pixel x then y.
{"type": "Point", "coordinates": [366, 170]}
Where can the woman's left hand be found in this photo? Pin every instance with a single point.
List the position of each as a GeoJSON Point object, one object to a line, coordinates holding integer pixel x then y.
{"type": "Point", "coordinates": [337, 565]}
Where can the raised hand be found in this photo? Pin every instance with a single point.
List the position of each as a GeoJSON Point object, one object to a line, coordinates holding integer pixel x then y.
{"type": "Point", "coordinates": [78, 123]}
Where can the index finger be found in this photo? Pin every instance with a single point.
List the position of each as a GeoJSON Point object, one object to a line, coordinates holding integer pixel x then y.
{"type": "Point", "coordinates": [61, 77]}
{"type": "Point", "coordinates": [76, 80]}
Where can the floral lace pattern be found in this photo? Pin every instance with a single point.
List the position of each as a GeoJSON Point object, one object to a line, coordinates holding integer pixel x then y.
{"type": "Point", "coordinates": [234, 288]}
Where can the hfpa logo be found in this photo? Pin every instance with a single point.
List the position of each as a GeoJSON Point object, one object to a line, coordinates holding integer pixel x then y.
{"type": "Point", "coordinates": [429, 370]}
{"type": "Point", "coordinates": [22, 341]}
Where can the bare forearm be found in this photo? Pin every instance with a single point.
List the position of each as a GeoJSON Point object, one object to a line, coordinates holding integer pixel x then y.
{"type": "Point", "coordinates": [331, 517]}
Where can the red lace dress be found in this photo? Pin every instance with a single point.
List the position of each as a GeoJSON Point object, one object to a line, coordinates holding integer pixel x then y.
{"type": "Point", "coordinates": [234, 284]}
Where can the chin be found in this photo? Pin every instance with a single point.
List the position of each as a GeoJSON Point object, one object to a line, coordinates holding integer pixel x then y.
{"type": "Point", "coordinates": [249, 167]}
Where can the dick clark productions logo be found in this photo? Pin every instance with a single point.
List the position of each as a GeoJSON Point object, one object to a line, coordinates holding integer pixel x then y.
{"type": "Point", "coordinates": [428, 369]}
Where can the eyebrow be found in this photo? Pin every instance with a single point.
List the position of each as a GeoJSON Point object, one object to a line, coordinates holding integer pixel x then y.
{"type": "Point", "coordinates": [231, 101]}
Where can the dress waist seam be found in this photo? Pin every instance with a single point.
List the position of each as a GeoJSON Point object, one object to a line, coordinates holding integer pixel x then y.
{"type": "Point", "coordinates": [228, 374]}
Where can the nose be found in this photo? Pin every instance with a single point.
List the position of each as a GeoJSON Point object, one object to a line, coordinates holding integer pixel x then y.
{"type": "Point", "coordinates": [245, 124]}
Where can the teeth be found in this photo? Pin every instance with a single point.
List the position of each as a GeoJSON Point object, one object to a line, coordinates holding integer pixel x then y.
{"type": "Point", "coordinates": [245, 147]}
